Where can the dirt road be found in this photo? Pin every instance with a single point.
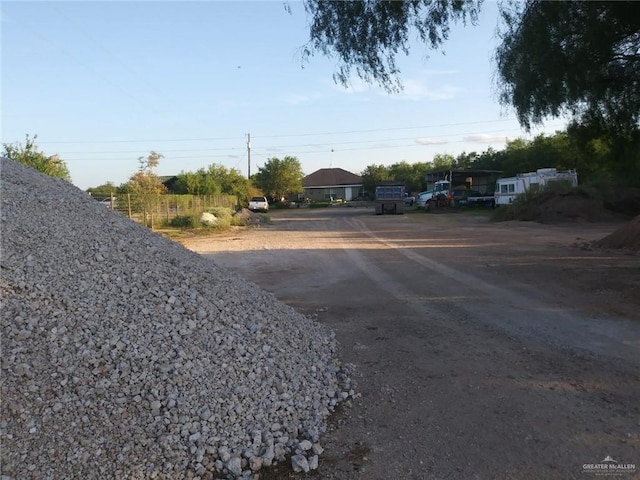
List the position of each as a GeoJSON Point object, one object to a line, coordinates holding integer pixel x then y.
{"type": "Point", "coordinates": [481, 350]}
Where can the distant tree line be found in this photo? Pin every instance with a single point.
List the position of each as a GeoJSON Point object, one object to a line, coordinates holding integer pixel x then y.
{"type": "Point", "coordinates": [275, 179]}
{"type": "Point", "coordinates": [597, 159]}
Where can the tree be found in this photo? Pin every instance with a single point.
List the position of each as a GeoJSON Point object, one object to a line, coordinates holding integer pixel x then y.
{"type": "Point", "coordinates": [464, 160]}
{"type": "Point", "coordinates": [372, 175]}
{"type": "Point", "coordinates": [412, 174]}
{"type": "Point", "coordinates": [442, 161]}
{"type": "Point", "coordinates": [236, 184]}
{"type": "Point", "coordinates": [215, 180]}
{"type": "Point", "coordinates": [601, 156]}
{"type": "Point", "coordinates": [29, 155]}
{"type": "Point", "coordinates": [581, 58]}
{"type": "Point", "coordinates": [201, 182]}
{"type": "Point", "coordinates": [368, 35]}
{"type": "Point", "coordinates": [577, 57]}
{"type": "Point", "coordinates": [145, 180]}
{"type": "Point", "coordinates": [279, 177]}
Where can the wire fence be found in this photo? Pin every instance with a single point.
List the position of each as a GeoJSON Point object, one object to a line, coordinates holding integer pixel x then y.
{"type": "Point", "coordinates": [153, 210]}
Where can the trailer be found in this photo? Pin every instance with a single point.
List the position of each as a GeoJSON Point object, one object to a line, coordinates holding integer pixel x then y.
{"type": "Point", "coordinates": [507, 189]}
{"type": "Point", "coordinates": [390, 197]}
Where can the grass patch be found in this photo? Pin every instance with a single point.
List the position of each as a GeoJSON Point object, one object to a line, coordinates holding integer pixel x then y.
{"type": "Point", "coordinates": [183, 221]}
{"type": "Point", "coordinates": [319, 204]}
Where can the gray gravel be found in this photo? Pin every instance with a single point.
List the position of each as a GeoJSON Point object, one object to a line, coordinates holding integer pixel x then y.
{"type": "Point", "coordinates": [126, 356]}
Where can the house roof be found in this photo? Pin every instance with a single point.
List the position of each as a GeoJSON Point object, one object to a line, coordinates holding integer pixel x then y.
{"type": "Point", "coordinates": [331, 177]}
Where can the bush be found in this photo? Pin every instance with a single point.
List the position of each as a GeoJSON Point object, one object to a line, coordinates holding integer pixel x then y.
{"type": "Point", "coordinates": [224, 216]}
{"type": "Point", "coordinates": [528, 206]}
{"type": "Point", "coordinates": [319, 204]}
{"type": "Point", "coordinates": [240, 220]}
{"type": "Point", "coordinates": [184, 221]}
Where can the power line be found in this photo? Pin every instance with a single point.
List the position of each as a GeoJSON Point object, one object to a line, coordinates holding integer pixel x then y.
{"type": "Point", "coordinates": [308, 134]}
{"type": "Point", "coordinates": [294, 146]}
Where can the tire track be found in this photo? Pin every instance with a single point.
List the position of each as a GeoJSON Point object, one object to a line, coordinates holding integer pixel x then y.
{"type": "Point", "coordinates": [508, 310]}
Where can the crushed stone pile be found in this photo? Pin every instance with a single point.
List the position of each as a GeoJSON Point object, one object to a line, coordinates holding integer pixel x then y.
{"type": "Point", "coordinates": [126, 356]}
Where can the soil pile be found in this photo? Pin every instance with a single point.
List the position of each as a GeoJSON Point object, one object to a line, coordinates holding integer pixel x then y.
{"type": "Point", "coordinates": [626, 237]}
{"type": "Point", "coordinates": [248, 217]}
{"type": "Point", "coordinates": [574, 206]}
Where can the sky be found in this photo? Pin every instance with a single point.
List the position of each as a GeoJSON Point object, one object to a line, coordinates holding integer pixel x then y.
{"type": "Point", "coordinates": [102, 84]}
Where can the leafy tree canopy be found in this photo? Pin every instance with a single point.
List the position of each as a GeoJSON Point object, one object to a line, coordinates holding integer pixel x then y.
{"type": "Point", "coordinates": [145, 180]}
{"type": "Point", "coordinates": [368, 35]}
{"type": "Point", "coordinates": [597, 157]}
{"type": "Point", "coordinates": [279, 177]}
{"type": "Point", "coordinates": [581, 58]}
{"type": "Point", "coordinates": [216, 179]}
{"type": "Point", "coordinates": [442, 160]}
{"type": "Point", "coordinates": [28, 154]}
{"type": "Point", "coordinates": [372, 175]}
{"type": "Point", "coordinates": [412, 174]}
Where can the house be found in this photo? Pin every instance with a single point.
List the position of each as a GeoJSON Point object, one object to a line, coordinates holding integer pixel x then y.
{"type": "Point", "coordinates": [329, 184]}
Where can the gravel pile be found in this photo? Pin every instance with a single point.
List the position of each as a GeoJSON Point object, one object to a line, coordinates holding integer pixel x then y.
{"type": "Point", "coordinates": [126, 356]}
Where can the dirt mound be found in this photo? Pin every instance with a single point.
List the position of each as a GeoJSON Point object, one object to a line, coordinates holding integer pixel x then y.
{"type": "Point", "coordinates": [574, 206]}
{"type": "Point", "coordinates": [626, 237]}
{"type": "Point", "coordinates": [249, 217]}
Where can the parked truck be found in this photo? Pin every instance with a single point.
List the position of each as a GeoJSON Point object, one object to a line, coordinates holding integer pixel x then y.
{"type": "Point", "coordinates": [440, 189]}
{"type": "Point", "coordinates": [390, 198]}
{"type": "Point", "coordinates": [507, 189]}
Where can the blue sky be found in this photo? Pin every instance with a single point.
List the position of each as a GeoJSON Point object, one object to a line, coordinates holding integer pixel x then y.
{"type": "Point", "coordinates": [103, 83]}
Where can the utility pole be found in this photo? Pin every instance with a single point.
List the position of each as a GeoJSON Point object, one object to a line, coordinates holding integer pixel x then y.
{"type": "Point", "coordinates": [248, 155]}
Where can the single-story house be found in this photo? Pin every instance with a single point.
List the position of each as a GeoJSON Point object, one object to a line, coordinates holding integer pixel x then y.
{"type": "Point", "coordinates": [329, 184]}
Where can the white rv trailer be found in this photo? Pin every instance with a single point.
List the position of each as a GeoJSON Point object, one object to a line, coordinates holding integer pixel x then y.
{"type": "Point", "coordinates": [507, 189]}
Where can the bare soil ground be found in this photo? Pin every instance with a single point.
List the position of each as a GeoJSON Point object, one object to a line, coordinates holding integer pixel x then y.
{"type": "Point", "coordinates": [481, 350]}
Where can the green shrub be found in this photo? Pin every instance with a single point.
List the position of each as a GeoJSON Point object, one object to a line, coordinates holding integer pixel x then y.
{"type": "Point", "coordinates": [319, 204]}
{"type": "Point", "coordinates": [184, 221]}
{"type": "Point", "coordinates": [528, 206]}
{"type": "Point", "coordinates": [239, 220]}
{"type": "Point", "coordinates": [224, 216]}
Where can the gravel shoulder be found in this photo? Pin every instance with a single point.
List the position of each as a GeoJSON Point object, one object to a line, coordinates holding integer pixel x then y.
{"type": "Point", "coordinates": [481, 350]}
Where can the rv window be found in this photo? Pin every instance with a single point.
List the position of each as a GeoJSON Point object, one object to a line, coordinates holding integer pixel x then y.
{"type": "Point", "coordinates": [512, 187]}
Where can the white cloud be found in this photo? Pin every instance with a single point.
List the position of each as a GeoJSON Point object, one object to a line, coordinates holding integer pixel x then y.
{"type": "Point", "coordinates": [418, 89]}
{"type": "Point", "coordinates": [484, 138]}
{"type": "Point", "coordinates": [296, 98]}
{"type": "Point", "coordinates": [430, 141]}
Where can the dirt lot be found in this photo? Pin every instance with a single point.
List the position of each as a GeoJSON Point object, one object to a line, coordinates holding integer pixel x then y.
{"type": "Point", "coordinates": [481, 350]}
